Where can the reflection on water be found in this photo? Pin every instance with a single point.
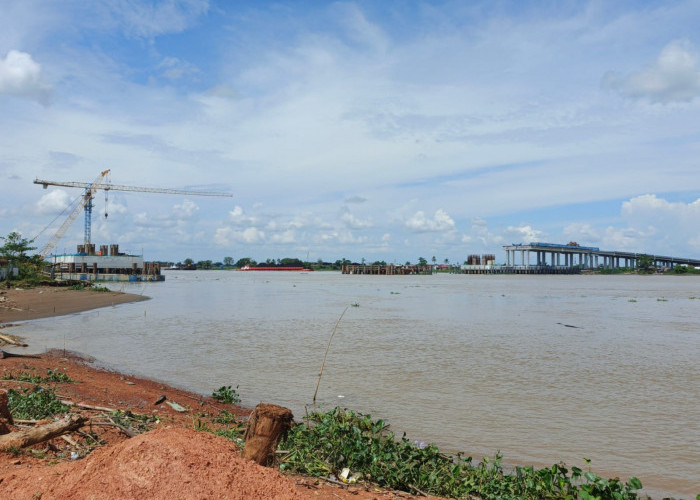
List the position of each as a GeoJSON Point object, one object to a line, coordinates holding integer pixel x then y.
{"type": "Point", "coordinates": [543, 368]}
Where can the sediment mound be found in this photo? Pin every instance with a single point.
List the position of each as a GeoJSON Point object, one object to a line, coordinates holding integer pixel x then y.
{"type": "Point", "coordinates": [162, 464]}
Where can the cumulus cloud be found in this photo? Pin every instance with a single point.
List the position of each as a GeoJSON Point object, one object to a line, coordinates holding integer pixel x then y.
{"type": "Point", "coordinates": [419, 222]}
{"type": "Point", "coordinates": [225, 236]}
{"type": "Point", "coordinates": [673, 77]}
{"type": "Point", "coordinates": [240, 218]}
{"type": "Point", "coordinates": [524, 234]}
{"type": "Point", "coordinates": [187, 210]}
{"type": "Point", "coordinates": [286, 237]}
{"type": "Point", "coordinates": [353, 222]}
{"type": "Point", "coordinates": [583, 233]}
{"type": "Point", "coordinates": [20, 76]}
{"type": "Point", "coordinates": [53, 202]}
{"type": "Point", "coordinates": [648, 216]}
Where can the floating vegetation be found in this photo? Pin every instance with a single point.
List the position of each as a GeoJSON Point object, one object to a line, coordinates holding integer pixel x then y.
{"type": "Point", "coordinates": [632, 300]}
{"type": "Point", "coordinates": [340, 441]}
{"type": "Point", "coordinates": [225, 394]}
{"type": "Point", "coordinates": [662, 299]}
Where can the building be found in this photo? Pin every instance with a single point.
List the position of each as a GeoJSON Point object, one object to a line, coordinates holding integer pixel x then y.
{"type": "Point", "coordinates": [107, 264]}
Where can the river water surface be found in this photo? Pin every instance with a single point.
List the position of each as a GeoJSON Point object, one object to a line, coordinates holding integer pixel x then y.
{"type": "Point", "coordinates": [542, 368]}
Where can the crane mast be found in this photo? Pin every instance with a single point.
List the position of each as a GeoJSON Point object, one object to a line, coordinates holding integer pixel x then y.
{"type": "Point", "coordinates": [86, 202]}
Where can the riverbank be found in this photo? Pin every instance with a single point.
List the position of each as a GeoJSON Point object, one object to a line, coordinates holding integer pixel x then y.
{"type": "Point", "coordinates": [20, 304]}
{"type": "Point", "coordinates": [172, 451]}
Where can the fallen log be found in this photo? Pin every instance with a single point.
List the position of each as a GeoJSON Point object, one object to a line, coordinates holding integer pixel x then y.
{"type": "Point", "coordinates": [5, 354]}
{"type": "Point", "coordinates": [266, 427]}
{"type": "Point", "coordinates": [39, 434]}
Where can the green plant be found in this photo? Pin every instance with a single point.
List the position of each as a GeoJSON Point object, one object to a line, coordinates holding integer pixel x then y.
{"type": "Point", "coordinates": [225, 394]}
{"type": "Point", "coordinates": [100, 289]}
{"type": "Point", "coordinates": [77, 286]}
{"type": "Point", "coordinates": [328, 442]}
{"type": "Point", "coordinates": [35, 404]}
{"type": "Point", "coordinates": [225, 417]}
{"type": "Point", "coordinates": [51, 376]}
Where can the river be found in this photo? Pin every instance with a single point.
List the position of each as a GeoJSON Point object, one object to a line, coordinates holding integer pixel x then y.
{"type": "Point", "coordinates": [542, 368]}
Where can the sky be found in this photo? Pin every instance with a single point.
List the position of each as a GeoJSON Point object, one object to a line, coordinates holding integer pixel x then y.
{"type": "Point", "coordinates": [370, 130]}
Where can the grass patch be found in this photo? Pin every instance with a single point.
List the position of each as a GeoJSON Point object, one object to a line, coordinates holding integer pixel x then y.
{"type": "Point", "coordinates": [51, 376]}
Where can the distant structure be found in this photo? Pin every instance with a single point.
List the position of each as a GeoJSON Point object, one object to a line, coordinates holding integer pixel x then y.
{"type": "Point", "coordinates": [388, 270]}
{"type": "Point", "coordinates": [574, 256]}
{"type": "Point", "coordinates": [107, 264]}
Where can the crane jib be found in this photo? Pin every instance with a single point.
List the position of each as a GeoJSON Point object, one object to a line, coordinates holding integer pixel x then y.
{"type": "Point", "coordinates": [86, 202]}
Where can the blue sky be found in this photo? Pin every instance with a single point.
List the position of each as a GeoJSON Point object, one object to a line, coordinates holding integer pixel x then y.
{"type": "Point", "coordinates": [379, 130]}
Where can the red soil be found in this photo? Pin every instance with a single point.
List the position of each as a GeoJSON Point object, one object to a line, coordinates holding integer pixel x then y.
{"type": "Point", "coordinates": [174, 461]}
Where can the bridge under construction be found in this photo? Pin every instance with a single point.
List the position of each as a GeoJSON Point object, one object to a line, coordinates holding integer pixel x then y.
{"type": "Point", "coordinates": [554, 257]}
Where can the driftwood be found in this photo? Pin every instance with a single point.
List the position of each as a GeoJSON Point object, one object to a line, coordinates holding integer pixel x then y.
{"type": "Point", "coordinates": [5, 354]}
{"type": "Point", "coordinates": [87, 407]}
{"type": "Point", "coordinates": [39, 434]}
{"type": "Point", "coordinates": [266, 427]}
{"type": "Point", "coordinates": [10, 340]}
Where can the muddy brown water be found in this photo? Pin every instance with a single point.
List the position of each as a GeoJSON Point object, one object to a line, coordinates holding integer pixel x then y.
{"type": "Point", "coordinates": [542, 368]}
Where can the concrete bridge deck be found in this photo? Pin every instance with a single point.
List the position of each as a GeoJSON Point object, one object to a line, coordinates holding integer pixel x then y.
{"type": "Point", "coordinates": [556, 255]}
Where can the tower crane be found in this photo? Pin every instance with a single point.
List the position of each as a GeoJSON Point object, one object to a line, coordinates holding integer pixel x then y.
{"type": "Point", "coordinates": [86, 202]}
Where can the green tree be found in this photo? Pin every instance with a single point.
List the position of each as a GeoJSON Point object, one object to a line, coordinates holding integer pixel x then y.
{"type": "Point", "coordinates": [434, 260]}
{"type": "Point", "coordinates": [245, 261]}
{"type": "Point", "coordinates": [16, 251]}
{"type": "Point", "coordinates": [228, 261]}
{"type": "Point", "coordinates": [422, 262]}
{"type": "Point", "coordinates": [16, 248]}
{"type": "Point", "coordinates": [645, 264]}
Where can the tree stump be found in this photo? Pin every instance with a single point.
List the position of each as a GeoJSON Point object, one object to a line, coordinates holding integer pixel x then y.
{"type": "Point", "coordinates": [5, 416]}
{"type": "Point", "coordinates": [266, 427]}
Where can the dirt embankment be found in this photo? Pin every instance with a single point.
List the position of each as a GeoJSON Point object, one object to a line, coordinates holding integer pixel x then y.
{"type": "Point", "coordinates": [168, 460]}
{"type": "Point", "coordinates": [44, 302]}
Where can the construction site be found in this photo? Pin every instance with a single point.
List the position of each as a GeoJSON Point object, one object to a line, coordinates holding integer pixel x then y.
{"type": "Point", "coordinates": [108, 263]}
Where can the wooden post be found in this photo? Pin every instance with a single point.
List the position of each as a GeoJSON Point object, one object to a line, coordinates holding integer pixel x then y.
{"type": "Point", "coordinates": [5, 416]}
{"type": "Point", "coordinates": [266, 427]}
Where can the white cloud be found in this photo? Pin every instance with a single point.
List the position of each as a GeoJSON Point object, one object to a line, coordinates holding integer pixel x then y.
{"type": "Point", "coordinates": [250, 235]}
{"type": "Point", "coordinates": [225, 236]}
{"type": "Point", "coordinates": [149, 19]}
{"type": "Point", "coordinates": [21, 76]}
{"type": "Point", "coordinates": [524, 234]}
{"type": "Point", "coordinates": [286, 237]}
{"type": "Point", "coordinates": [174, 68]}
{"type": "Point", "coordinates": [353, 222]}
{"type": "Point", "coordinates": [187, 210]}
{"type": "Point", "coordinates": [238, 217]}
{"type": "Point", "coordinates": [441, 221]}
{"type": "Point", "coordinates": [53, 202]}
{"type": "Point", "coordinates": [583, 233]}
{"type": "Point", "coordinates": [673, 77]}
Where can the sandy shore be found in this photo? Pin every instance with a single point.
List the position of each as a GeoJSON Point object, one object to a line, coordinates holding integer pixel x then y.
{"type": "Point", "coordinates": [44, 302]}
